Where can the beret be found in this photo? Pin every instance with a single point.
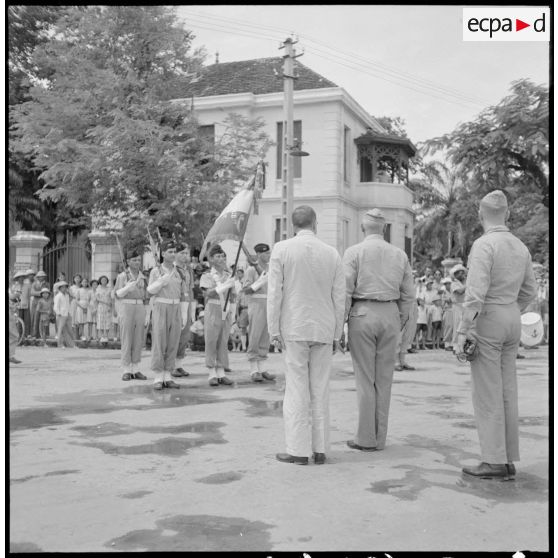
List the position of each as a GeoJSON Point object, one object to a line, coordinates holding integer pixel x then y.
{"type": "Point", "coordinates": [261, 248]}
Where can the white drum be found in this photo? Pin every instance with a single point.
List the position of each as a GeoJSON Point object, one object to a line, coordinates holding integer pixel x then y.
{"type": "Point", "coordinates": [532, 329]}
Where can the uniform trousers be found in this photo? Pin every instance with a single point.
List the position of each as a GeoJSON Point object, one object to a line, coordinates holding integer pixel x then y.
{"type": "Point", "coordinates": [132, 324]}
{"type": "Point", "coordinates": [494, 382]}
{"type": "Point", "coordinates": [216, 336]}
{"type": "Point", "coordinates": [35, 318]}
{"type": "Point", "coordinates": [13, 333]}
{"type": "Point", "coordinates": [257, 330]}
{"type": "Point", "coordinates": [306, 401]}
{"type": "Point", "coordinates": [184, 339]}
{"type": "Point", "coordinates": [447, 326]}
{"type": "Point", "coordinates": [407, 334]}
{"type": "Point", "coordinates": [373, 330]}
{"type": "Point", "coordinates": [64, 331]}
{"type": "Point", "coordinates": [165, 334]}
{"type": "Point", "coordinates": [457, 315]}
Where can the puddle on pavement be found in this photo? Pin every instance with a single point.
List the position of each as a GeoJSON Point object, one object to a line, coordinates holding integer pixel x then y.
{"type": "Point", "coordinates": [62, 472]}
{"type": "Point", "coordinates": [261, 408]}
{"type": "Point", "coordinates": [470, 424]}
{"type": "Point", "coordinates": [24, 547]}
{"type": "Point", "coordinates": [116, 429]}
{"type": "Point", "coordinates": [452, 455]}
{"type": "Point", "coordinates": [136, 494]}
{"type": "Point", "coordinates": [170, 447]}
{"type": "Point", "coordinates": [533, 421]}
{"type": "Point", "coordinates": [28, 419]}
{"type": "Point", "coordinates": [525, 488]}
{"type": "Point", "coordinates": [197, 533]}
{"type": "Point", "coordinates": [221, 478]}
{"type": "Point", "coordinates": [451, 415]}
{"type": "Point", "coordinates": [443, 399]}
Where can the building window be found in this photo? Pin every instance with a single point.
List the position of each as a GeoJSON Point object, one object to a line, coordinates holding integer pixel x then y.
{"type": "Point", "coordinates": [365, 169]}
{"type": "Point", "coordinates": [346, 154]}
{"type": "Point", "coordinates": [387, 233]}
{"type": "Point", "coordinates": [297, 137]}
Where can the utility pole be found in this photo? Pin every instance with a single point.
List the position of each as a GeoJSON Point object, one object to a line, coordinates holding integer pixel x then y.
{"type": "Point", "coordinates": [287, 194]}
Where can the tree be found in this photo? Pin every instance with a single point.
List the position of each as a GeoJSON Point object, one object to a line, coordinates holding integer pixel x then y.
{"type": "Point", "coordinates": [507, 146]}
{"type": "Point", "coordinates": [105, 136]}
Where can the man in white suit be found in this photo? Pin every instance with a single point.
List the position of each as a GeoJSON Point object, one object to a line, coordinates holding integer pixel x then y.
{"type": "Point", "coordinates": [305, 306]}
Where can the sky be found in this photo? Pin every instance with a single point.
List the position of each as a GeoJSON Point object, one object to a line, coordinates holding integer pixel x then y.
{"type": "Point", "coordinates": [407, 61]}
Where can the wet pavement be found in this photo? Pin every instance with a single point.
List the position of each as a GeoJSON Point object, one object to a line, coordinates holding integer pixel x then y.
{"type": "Point", "coordinates": [100, 465]}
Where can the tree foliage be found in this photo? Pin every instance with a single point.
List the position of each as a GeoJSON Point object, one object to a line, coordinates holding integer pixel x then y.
{"type": "Point", "coordinates": [106, 138]}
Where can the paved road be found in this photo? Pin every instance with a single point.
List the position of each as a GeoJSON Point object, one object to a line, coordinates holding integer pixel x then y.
{"type": "Point", "coordinates": [97, 464]}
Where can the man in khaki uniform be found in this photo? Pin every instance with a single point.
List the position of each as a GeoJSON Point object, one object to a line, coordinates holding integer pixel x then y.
{"type": "Point", "coordinates": [500, 285]}
{"type": "Point", "coordinates": [130, 289]}
{"type": "Point", "coordinates": [170, 314]}
{"type": "Point", "coordinates": [380, 295]}
{"type": "Point", "coordinates": [255, 289]}
{"type": "Point", "coordinates": [182, 263]}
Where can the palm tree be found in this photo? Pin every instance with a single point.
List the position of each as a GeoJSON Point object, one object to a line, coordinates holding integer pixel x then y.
{"type": "Point", "coordinates": [24, 209]}
{"type": "Point", "coordinates": [439, 232]}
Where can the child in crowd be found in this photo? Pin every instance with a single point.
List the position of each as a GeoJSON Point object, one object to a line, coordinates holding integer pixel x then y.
{"type": "Point", "coordinates": [242, 322]}
{"type": "Point", "coordinates": [234, 337]}
{"type": "Point", "coordinates": [62, 307]}
{"type": "Point", "coordinates": [44, 311]}
{"type": "Point", "coordinates": [422, 321]}
{"type": "Point", "coordinates": [115, 311]}
{"type": "Point", "coordinates": [73, 293]}
{"type": "Point", "coordinates": [92, 310]}
{"type": "Point", "coordinates": [197, 330]}
{"type": "Point", "coordinates": [436, 320]}
{"type": "Point", "coordinates": [82, 299]}
{"type": "Point", "coordinates": [104, 308]}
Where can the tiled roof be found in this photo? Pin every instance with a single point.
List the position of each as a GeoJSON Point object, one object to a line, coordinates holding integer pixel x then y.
{"type": "Point", "coordinates": [259, 76]}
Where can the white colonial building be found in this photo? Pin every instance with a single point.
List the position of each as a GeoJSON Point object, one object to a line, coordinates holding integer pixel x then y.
{"type": "Point", "coordinates": [354, 165]}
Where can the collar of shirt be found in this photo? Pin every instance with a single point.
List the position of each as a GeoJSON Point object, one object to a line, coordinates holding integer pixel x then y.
{"type": "Point", "coordinates": [305, 232]}
{"type": "Point", "coordinates": [497, 228]}
{"type": "Point", "coordinates": [374, 236]}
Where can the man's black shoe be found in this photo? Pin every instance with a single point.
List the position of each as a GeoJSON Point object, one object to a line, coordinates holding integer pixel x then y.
{"type": "Point", "coordinates": [225, 381]}
{"type": "Point", "coordinates": [354, 445]}
{"type": "Point", "coordinates": [179, 373]}
{"type": "Point", "coordinates": [171, 384]}
{"type": "Point", "coordinates": [488, 471]}
{"type": "Point", "coordinates": [287, 458]}
{"type": "Point", "coordinates": [319, 458]}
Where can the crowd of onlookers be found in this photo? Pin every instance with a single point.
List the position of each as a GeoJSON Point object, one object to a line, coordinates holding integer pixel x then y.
{"type": "Point", "coordinates": [92, 312]}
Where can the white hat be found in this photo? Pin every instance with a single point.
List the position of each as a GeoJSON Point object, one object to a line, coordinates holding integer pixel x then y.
{"type": "Point", "coordinates": [59, 284]}
{"type": "Point", "coordinates": [45, 290]}
{"type": "Point", "coordinates": [20, 274]}
{"type": "Point", "coordinates": [446, 280]}
{"type": "Point", "coordinates": [457, 268]}
{"type": "Point", "coordinates": [29, 272]}
{"type": "Point", "coordinates": [201, 314]}
{"type": "Point", "coordinates": [41, 274]}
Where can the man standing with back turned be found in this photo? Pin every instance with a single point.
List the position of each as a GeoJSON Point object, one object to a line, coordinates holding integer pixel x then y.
{"type": "Point", "coordinates": [500, 285]}
{"type": "Point", "coordinates": [380, 295]}
{"type": "Point", "coordinates": [305, 301]}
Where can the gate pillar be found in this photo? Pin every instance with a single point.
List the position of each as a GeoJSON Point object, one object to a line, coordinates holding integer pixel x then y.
{"type": "Point", "coordinates": [105, 254]}
{"type": "Point", "coordinates": [28, 249]}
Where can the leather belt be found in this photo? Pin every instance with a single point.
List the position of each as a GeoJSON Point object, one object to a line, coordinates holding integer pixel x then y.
{"type": "Point", "coordinates": [258, 296]}
{"type": "Point", "coordinates": [213, 301]}
{"type": "Point", "coordinates": [131, 301]}
{"type": "Point", "coordinates": [371, 300]}
{"type": "Point", "coordinates": [167, 300]}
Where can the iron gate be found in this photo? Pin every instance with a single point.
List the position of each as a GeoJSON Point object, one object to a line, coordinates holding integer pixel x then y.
{"type": "Point", "coordinates": [71, 257]}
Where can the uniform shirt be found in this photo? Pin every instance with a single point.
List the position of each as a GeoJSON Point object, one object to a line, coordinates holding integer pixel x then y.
{"type": "Point", "coordinates": [500, 272]}
{"type": "Point", "coordinates": [137, 292]}
{"type": "Point", "coordinates": [207, 281]}
{"type": "Point", "coordinates": [305, 290]}
{"type": "Point", "coordinates": [457, 298]}
{"type": "Point", "coordinates": [61, 304]}
{"type": "Point", "coordinates": [375, 269]}
{"type": "Point", "coordinates": [251, 276]}
{"type": "Point", "coordinates": [176, 288]}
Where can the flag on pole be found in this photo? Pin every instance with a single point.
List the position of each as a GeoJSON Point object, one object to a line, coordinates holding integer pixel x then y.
{"type": "Point", "coordinates": [233, 220]}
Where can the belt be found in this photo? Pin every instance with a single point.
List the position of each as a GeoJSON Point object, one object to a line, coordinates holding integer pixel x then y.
{"type": "Point", "coordinates": [131, 301]}
{"type": "Point", "coordinates": [259, 296]}
{"type": "Point", "coordinates": [167, 300]}
{"type": "Point", "coordinates": [213, 301]}
{"type": "Point", "coordinates": [371, 300]}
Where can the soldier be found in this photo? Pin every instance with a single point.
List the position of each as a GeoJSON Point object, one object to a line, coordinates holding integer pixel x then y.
{"type": "Point", "coordinates": [255, 288]}
{"type": "Point", "coordinates": [169, 315]}
{"type": "Point", "coordinates": [182, 264]}
{"type": "Point", "coordinates": [500, 285]}
{"type": "Point", "coordinates": [380, 294]}
{"type": "Point", "coordinates": [218, 319]}
{"type": "Point", "coordinates": [130, 289]}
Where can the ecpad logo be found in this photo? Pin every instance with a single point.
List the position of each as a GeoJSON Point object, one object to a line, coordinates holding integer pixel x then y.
{"type": "Point", "coordinates": [506, 24]}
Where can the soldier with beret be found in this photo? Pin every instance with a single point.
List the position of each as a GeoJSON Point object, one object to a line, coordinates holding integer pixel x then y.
{"type": "Point", "coordinates": [500, 285]}
{"type": "Point", "coordinates": [255, 288]}
{"type": "Point", "coordinates": [170, 314]}
{"type": "Point", "coordinates": [130, 289]}
{"type": "Point", "coordinates": [380, 295]}
{"type": "Point", "coordinates": [216, 284]}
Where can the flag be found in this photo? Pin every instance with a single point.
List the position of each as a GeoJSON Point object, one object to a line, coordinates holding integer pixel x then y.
{"type": "Point", "coordinates": [233, 220]}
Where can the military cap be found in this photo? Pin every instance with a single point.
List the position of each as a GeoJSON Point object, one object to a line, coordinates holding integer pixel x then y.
{"type": "Point", "coordinates": [133, 253]}
{"type": "Point", "coordinates": [168, 244]}
{"type": "Point", "coordinates": [495, 200]}
{"type": "Point", "coordinates": [215, 249]}
{"type": "Point", "coordinates": [261, 248]}
{"type": "Point", "coordinates": [41, 274]}
{"type": "Point", "coordinates": [375, 215]}
{"type": "Point", "coordinates": [180, 246]}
